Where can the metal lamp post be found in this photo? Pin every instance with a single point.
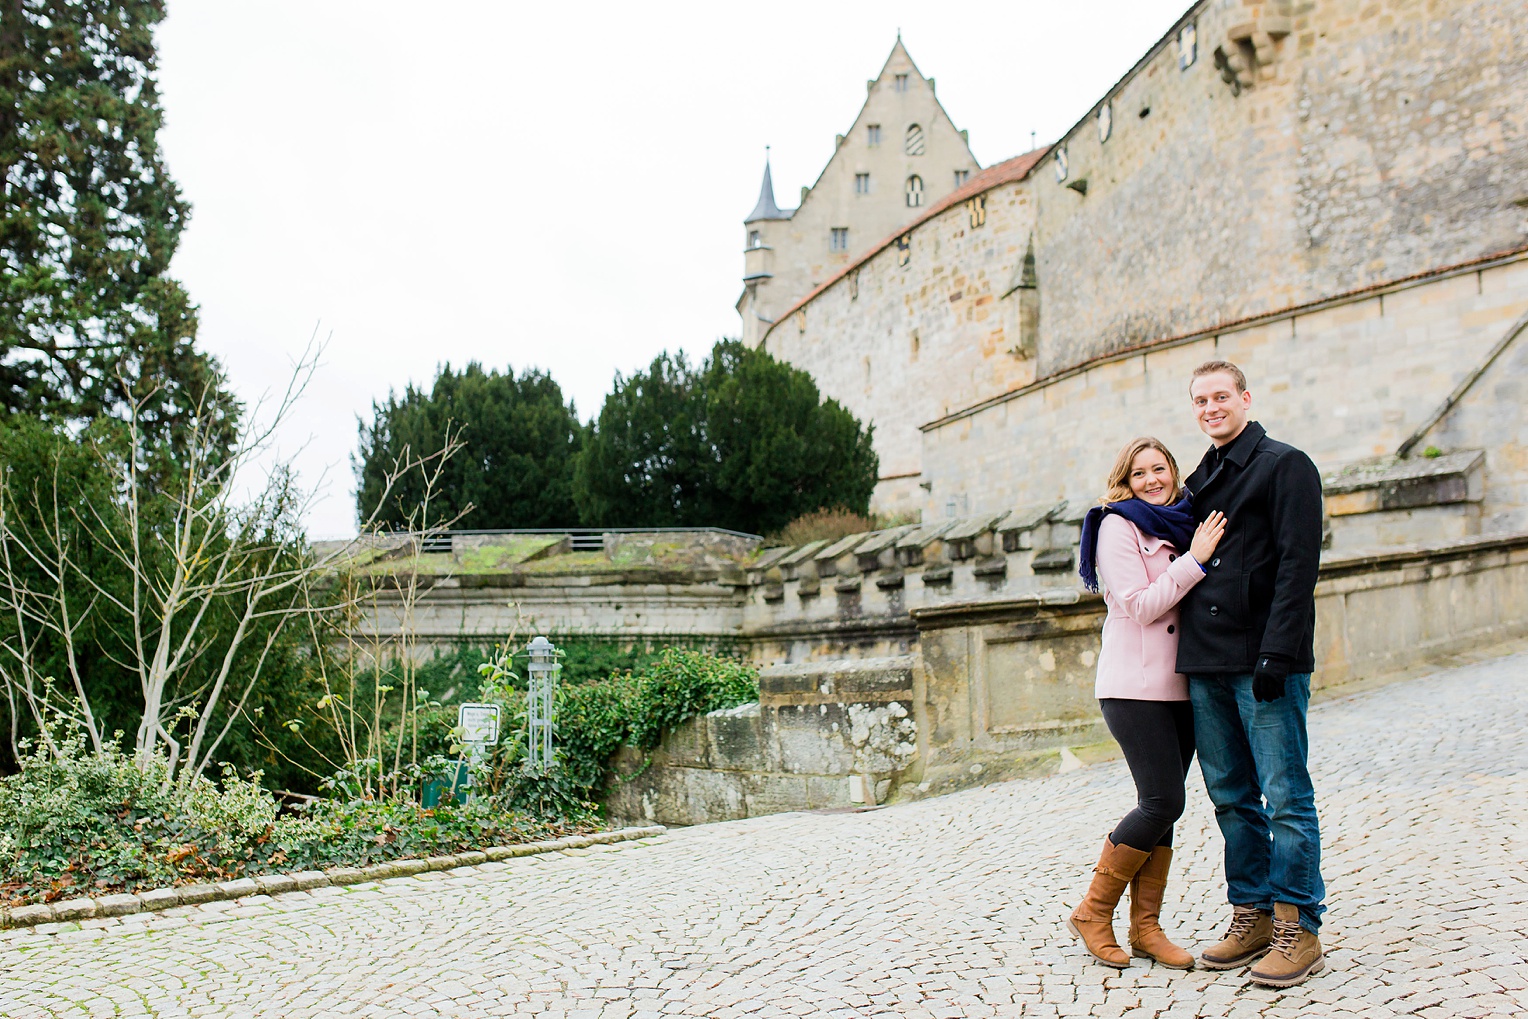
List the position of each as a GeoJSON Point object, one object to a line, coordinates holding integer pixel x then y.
{"type": "Point", "coordinates": [539, 716]}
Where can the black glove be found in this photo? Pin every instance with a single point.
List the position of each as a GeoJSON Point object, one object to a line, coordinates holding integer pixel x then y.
{"type": "Point", "coordinates": [1268, 678]}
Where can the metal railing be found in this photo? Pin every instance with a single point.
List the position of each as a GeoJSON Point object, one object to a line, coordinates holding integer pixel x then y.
{"type": "Point", "coordinates": [581, 539]}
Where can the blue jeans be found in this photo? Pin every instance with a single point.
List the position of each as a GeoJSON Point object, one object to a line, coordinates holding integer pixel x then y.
{"type": "Point", "coordinates": [1250, 753]}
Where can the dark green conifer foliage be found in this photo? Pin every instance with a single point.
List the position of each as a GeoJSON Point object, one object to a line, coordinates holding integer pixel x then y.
{"type": "Point", "coordinates": [516, 469]}
{"type": "Point", "coordinates": [744, 442]}
{"type": "Point", "coordinates": [91, 220]}
{"type": "Point", "coordinates": [646, 462]}
{"type": "Point", "coordinates": [779, 449]}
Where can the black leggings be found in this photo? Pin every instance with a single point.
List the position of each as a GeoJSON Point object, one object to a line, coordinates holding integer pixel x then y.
{"type": "Point", "coordinates": [1158, 740]}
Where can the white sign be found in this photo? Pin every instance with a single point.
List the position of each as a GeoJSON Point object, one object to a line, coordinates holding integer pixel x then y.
{"type": "Point", "coordinates": [478, 723]}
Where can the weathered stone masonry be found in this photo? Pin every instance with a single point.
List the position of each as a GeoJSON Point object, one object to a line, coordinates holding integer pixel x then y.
{"type": "Point", "coordinates": [1313, 188]}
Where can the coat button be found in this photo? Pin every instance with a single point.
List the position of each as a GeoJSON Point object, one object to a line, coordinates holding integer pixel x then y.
{"type": "Point", "coordinates": [1171, 628]}
{"type": "Point", "coordinates": [1215, 561]}
{"type": "Point", "coordinates": [1214, 610]}
{"type": "Point", "coordinates": [1171, 557]}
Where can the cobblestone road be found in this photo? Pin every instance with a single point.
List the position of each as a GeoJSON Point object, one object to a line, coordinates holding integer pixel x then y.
{"type": "Point", "coordinates": [948, 907]}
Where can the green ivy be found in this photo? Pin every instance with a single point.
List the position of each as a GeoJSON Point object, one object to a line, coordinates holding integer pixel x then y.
{"type": "Point", "coordinates": [91, 823]}
{"type": "Point", "coordinates": [594, 720]}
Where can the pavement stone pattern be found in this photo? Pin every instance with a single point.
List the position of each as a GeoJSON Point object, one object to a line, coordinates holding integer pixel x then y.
{"type": "Point", "coordinates": [948, 907]}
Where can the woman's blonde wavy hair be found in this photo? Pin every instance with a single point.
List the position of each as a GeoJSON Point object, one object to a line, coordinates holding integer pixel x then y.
{"type": "Point", "coordinates": [1118, 489]}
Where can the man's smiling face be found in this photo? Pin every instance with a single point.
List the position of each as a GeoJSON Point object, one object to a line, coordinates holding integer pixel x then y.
{"type": "Point", "coordinates": [1218, 407]}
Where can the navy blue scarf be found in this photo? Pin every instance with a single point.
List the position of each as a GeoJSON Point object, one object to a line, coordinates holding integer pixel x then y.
{"type": "Point", "coordinates": [1173, 523]}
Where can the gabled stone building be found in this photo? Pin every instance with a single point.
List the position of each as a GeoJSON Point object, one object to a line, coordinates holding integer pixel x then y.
{"type": "Point", "coordinates": [900, 157]}
{"type": "Point", "coordinates": [1332, 193]}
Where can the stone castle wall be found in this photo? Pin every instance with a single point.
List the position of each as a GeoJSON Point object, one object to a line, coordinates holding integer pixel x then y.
{"type": "Point", "coordinates": [1378, 140]}
{"type": "Point", "coordinates": [900, 345]}
{"type": "Point", "coordinates": [1346, 381]}
{"type": "Point", "coordinates": [795, 254]}
{"type": "Point", "coordinates": [1308, 152]}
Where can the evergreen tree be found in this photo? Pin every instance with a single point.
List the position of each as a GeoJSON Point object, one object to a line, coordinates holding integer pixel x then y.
{"type": "Point", "coordinates": [646, 463]}
{"type": "Point", "coordinates": [744, 442]}
{"type": "Point", "coordinates": [91, 220]}
{"type": "Point", "coordinates": [516, 469]}
{"type": "Point", "coordinates": [779, 449]}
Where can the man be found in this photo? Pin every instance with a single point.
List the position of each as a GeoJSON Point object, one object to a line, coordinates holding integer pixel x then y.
{"type": "Point", "coordinates": [1248, 648]}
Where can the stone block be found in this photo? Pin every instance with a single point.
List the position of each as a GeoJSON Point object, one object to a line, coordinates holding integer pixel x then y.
{"type": "Point", "coordinates": [118, 905]}
{"type": "Point", "coordinates": [275, 884]}
{"type": "Point", "coordinates": [307, 879]}
{"type": "Point", "coordinates": [914, 547]}
{"type": "Point", "coordinates": [876, 679]}
{"type": "Point", "coordinates": [792, 566]}
{"type": "Point", "coordinates": [237, 889]}
{"type": "Point", "coordinates": [344, 875]}
{"type": "Point", "coordinates": [161, 898]}
{"type": "Point", "coordinates": [878, 551]}
{"type": "Point", "coordinates": [814, 739]}
{"type": "Point", "coordinates": [936, 576]}
{"type": "Point", "coordinates": [688, 744]}
{"type": "Point", "coordinates": [1393, 483]}
{"type": "Point", "coordinates": [30, 916]}
{"type": "Point", "coordinates": [767, 560]}
{"type": "Point", "coordinates": [1053, 560]}
{"type": "Point", "coordinates": [830, 559]}
{"type": "Point", "coordinates": [737, 740]}
{"type": "Point", "coordinates": [74, 909]}
{"type": "Point", "coordinates": [195, 895]}
{"type": "Point", "coordinates": [774, 793]}
{"type": "Point", "coordinates": [991, 567]}
{"type": "Point", "coordinates": [823, 792]}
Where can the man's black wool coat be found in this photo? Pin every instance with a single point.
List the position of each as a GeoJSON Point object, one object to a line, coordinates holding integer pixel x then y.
{"type": "Point", "coordinates": [1258, 594]}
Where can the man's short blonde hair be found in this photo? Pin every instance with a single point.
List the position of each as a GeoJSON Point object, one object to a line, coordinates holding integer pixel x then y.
{"type": "Point", "coordinates": [1211, 367]}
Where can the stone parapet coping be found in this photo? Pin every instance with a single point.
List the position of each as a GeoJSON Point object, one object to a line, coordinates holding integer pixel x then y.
{"type": "Point", "coordinates": [68, 910]}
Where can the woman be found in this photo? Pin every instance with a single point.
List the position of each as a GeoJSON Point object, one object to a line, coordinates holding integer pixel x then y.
{"type": "Point", "coordinates": [1136, 542]}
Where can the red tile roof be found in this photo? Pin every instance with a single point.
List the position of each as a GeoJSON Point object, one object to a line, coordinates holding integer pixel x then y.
{"type": "Point", "coordinates": [982, 181]}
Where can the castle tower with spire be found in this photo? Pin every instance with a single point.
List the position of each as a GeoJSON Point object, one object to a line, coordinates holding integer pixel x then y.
{"type": "Point", "coordinates": [901, 155]}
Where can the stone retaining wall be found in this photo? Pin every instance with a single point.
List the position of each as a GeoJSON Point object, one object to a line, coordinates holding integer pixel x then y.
{"type": "Point", "coordinates": [1003, 686]}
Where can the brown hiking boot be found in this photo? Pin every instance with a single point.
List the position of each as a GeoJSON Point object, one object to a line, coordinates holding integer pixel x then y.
{"type": "Point", "coordinates": [1093, 921]}
{"type": "Point", "coordinates": [1147, 940]}
{"type": "Point", "coordinates": [1295, 956]}
{"type": "Point", "coordinates": [1250, 934]}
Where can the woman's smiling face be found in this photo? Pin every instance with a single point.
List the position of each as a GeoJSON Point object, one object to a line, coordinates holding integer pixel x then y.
{"type": "Point", "coordinates": [1151, 479]}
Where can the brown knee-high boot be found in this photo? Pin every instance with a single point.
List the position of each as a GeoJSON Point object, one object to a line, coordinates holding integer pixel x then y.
{"type": "Point", "coordinates": [1147, 941]}
{"type": "Point", "coordinates": [1093, 920]}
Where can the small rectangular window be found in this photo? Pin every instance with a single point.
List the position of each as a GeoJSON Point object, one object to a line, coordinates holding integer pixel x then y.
{"type": "Point", "coordinates": [839, 239]}
{"type": "Point", "coordinates": [1188, 45]}
{"type": "Point", "coordinates": [754, 240]}
{"type": "Point", "coordinates": [961, 176]}
{"type": "Point", "coordinates": [862, 183]}
{"type": "Point", "coordinates": [901, 83]}
{"type": "Point", "coordinates": [872, 134]}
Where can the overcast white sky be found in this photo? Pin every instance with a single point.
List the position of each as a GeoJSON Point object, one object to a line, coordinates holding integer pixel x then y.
{"type": "Point", "coordinates": [556, 185]}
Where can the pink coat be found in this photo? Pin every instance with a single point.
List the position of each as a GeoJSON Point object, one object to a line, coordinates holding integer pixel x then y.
{"type": "Point", "coordinates": [1143, 580]}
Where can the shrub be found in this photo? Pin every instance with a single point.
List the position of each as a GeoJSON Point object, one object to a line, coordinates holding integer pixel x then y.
{"type": "Point", "coordinates": [829, 524]}
{"type": "Point", "coordinates": [595, 719]}
{"type": "Point", "coordinates": [742, 441]}
{"type": "Point", "coordinates": [85, 823]}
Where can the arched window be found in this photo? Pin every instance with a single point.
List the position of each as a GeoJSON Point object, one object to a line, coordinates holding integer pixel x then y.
{"type": "Point", "coordinates": [914, 143]}
{"type": "Point", "coordinates": [914, 191]}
